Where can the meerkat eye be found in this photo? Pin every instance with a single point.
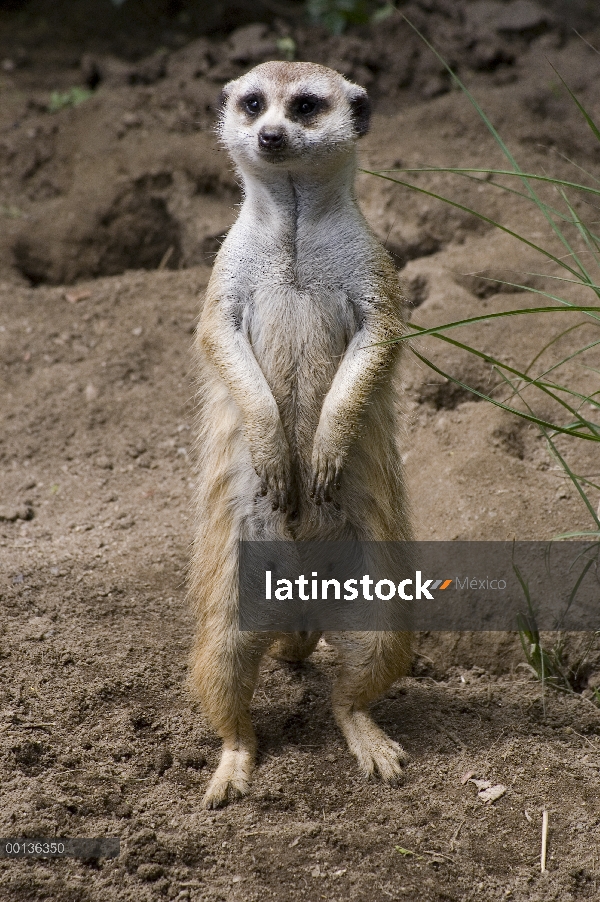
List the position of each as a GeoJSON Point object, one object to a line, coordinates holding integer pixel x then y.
{"type": "Point", "coordinates": [307, 105]}
{"type": "Point", "coordinates": [253, 104]}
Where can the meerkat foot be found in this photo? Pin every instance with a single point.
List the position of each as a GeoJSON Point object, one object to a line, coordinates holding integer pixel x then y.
{"type": "Point", "coordinates": [231, 780]}
{"type": "Point", "coordinates": [376, 753]}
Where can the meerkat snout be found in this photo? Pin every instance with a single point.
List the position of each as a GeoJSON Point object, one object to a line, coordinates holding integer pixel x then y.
{"type": "Point", "coordinates": [272, 138]}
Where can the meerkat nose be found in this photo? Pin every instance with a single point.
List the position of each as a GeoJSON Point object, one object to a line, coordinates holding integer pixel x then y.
{"type": "Point", "coordinates": [271, 138]}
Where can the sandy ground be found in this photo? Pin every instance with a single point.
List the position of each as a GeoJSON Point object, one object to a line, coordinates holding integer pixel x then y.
{"type": "Point", "coordinates": [111, 213]}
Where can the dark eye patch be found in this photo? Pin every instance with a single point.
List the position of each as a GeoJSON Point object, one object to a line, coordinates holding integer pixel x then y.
{"type": "Point", "coordinates": [306, 106]}
{"type": "Point", "coordinates": [252, 104]}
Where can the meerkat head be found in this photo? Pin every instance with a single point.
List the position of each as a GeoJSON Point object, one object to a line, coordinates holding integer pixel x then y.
{"type": "Point", "coordinates": [291, 114]}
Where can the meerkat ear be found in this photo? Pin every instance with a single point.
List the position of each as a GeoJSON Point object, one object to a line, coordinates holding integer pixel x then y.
{"type": "Point", "coordinates": [360, 106]}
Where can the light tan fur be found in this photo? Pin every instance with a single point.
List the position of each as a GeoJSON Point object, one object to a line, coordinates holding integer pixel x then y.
{"type": "Point", "coordinates": [298, 422]}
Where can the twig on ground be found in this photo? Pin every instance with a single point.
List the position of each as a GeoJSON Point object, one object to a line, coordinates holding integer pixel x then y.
{"type": "Point", "coordinates": [455, 835]}
{"type": "Point", "coordinates": [544, 841]}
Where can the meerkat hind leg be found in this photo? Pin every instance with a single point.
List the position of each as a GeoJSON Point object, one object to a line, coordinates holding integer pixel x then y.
{"type": "Point", "coordinates": [232, 777]}
{"type": "Point", "coordinates": [369, 667]}
{"type": "Point", "coordinates": [294, 646]}
{"type": "Point", "coordinates": [224, 674]}
{"type": "Point", "coordinates": [375, 752]}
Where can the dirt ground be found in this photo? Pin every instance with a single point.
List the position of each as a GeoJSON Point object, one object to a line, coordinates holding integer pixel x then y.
{"type": "Point", "coordinates": [110, 214]}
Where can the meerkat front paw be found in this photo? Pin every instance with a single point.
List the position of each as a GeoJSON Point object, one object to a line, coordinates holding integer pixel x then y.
{"type": "Point", "coordinates": [275, 481]}
{"type": "Point", "coordinates": [327, 464]}
{"type": "Point", "coordinates": [271, 460]}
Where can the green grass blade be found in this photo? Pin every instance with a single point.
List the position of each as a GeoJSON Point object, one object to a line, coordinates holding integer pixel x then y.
{"type": "Point", "coordinates": [486, 317]}
{"type": "Point", "coordinates": [575, 590]}
{"type": "Point", "coordinates": [547, 389]}
{"type": "Point", "coordinates": [552, 342]}
{"type": "Point", "coordinates": [582, 229]}
{"type": "Point", "coordinates": [531, 418]}
{"type": "Point", "coordinates": [580, 107]}
{"type": "Point", "coordinates": [508, 172]}
{"type": "Point", "coordinates": [561, 237]}
{"type": "Point", "coordinates": [578, 535]}
{"type": "Point", "coordinates": [483, 218]}
{"type": "Point", "coordinates": [572, 356]}
{"type": "Point", "coordinates": [573, 479]}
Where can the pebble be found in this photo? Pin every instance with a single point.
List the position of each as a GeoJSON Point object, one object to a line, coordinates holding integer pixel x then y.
{"type": "Point", "coordinates": [10, 514]}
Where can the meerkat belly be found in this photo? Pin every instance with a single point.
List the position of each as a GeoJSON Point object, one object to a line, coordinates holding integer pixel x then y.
{"type": "Point", "coordinates": [299, 337]}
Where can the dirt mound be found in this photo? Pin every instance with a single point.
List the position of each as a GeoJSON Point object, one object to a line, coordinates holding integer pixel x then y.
{"type": "Point", "coordinates": [136, 231]}
{"type": "Point", "coordinates": [129, 174]}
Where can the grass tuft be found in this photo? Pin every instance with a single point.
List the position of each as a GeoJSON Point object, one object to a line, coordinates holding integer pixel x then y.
{"type": "Point", "coordinates": [60, 100]}
{"type": "Point", "coordinates": [575, 255]}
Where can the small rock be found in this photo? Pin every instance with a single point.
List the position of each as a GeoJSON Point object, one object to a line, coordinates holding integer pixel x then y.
{"type": "Point", "coordinates": [38, 628]}
{"type": "Point", "coordinates": [435, 86]}
{"type": "Point", "coordinates": [494, 792]}
{"type": "Point", "coordinates": [481, 784]}
{"type": "Point", "coordinates": [162, 761]}
{"type": "Point", "coordinates": [487, 282]}
{"type": "Point", "coordinates": [8, 514]}
{"type": "Point", "coordinates": [140, 719]}
{"type": "Point", "coordinates": [594, 680]}
{"type": "Point", "coordinates": [273, 794]}
{"type": "Point", "coordinates": [136, 449]}
{"type": "Point", "coordinates": [192, 758]}
{"type": "Point", "coordinates": [251, 44]}
{"type": "Point", "coordinates": [131, 120]}
{"type": "Point", "coordinates": [11, 514]}
{"type": "Point", "coordinates": [123, 810]}
{"type": "Point", "coordinates": [103, 462]}
{"type": "Point", "coordinates": [122, 752]}
{"type": "Point", "coordinates": [150, 872]}
{"type": "Point", "coordinates": [73, 297]}
{"type": "Point", "coordinates": [487, 792]}
{"type": "Point", "coordinates": [523, 17]}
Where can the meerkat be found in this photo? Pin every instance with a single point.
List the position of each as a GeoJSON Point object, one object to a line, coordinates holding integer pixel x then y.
{"type": "Point", "coordinates": [298, 419]}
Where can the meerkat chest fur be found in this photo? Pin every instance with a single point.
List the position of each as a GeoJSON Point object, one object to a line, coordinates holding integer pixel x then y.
{"type": "Point", "coordinates": [299, 315]}
{"type": "Point", "coordinates": [301, 256]}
